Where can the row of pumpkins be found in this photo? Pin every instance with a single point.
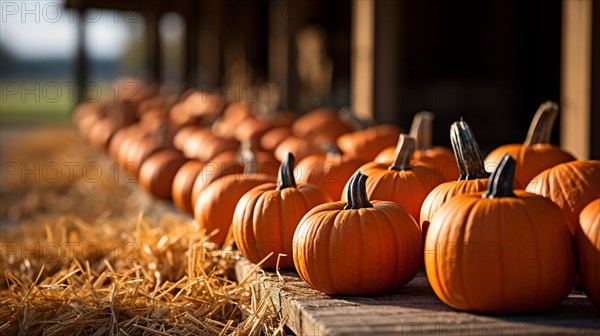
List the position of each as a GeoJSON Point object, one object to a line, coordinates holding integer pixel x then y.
{"type": "Point", "coordinates": [366, 204]}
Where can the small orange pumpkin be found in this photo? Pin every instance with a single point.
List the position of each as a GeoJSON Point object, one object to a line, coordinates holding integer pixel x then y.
{"type": "Point", "coordinates": [266, 217]}
{"type": "Point", "coordinates": [404, 182]}
{"type": "Point", "coordinates": [272, 138]}
{"type": "Point", "coordinates": [588, 244]}
{"type": "Point", "coordinates": [320, 122]}
{"type": "Point", "coordinates": [299, 147]}
{"type": "Point", "coordinates": [359, 247]}
{"type": "Point", "coordinates": [536, 154]}
{"type": "Point", "coordinates": [503, 252]}
{"type": "Point", "coordinates": [223, 164]}
{"type": "Point", "coordinates": [330, 170]}
{"type": "Point", "coordinates": [183, 182]}
{"type": "Point", "coordinates": [473, 177]}
{"type": "Point", "coordinates": [436, 157]}
{"type": "Point", "coordinates": [216, 203]}
{"type": "Point", "coordinates": [367, 143]}
{"type": "Point", "coordinates": [571, 186]}
{"type": "Point", "coordinates": [158, 171]}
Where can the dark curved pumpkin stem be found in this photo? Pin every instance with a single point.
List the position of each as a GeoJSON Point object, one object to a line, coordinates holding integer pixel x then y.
{"type": "Point", "coordinates": [285, 178]}
{"type": "Point", "coordinates": [421, 129]}
{"type": "Point", "coordinates": [501, 181]}
{"type": "Point", "coordinates": [330, 149]}
{"type": "Point", "coordinates": [466, 151]}
{"type": "Point", "coordinates": [540, 129]}
{"type": "Point", "coordinates": [357, 193]}
{"type": "Point", "coordinates": [404, 153]}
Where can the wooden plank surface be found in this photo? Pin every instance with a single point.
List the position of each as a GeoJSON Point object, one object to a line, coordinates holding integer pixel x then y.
{"type": "Point", "coordinates": [413, 309]}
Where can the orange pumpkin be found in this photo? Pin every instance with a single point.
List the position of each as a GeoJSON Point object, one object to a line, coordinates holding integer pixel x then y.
{"type": "Point", "coordinates": [536, 154]}
{"type": "Point", "coordinates": [299, 147]}
{"type": "Point", "coordinates": [588, 244]}
{"type": "Point", "coordinates": [436, 157]}
{"type": "Point", "coordinates": [571, 186]}
{"type": "Point", "coordinates": [404, 182]}
{"type": "Point", "coordinates": [158, 171]}
{"type": "Point", "coordinates": [183, 182]}
{"type": "Point", "coordinates": [367, 143]}
{"type": "Point", "coordinates": [216, 203]}
{"type": "Point", "coordinates": [266, 217]}
{"type": "Point", "coordinates": [473, 177]}
{"type": "Point", "coordinates": [223, 164]}
{"type": "Point", "coordinates": [272, 138]}
{"type": "Point", "coordinates": [330, 170]}
{"type": "Point", "coordinates": [320, 122]}
{"type": "Point", "coordinates": [501, 252]}
{"type": "Point", "coordinates": [359, 247]}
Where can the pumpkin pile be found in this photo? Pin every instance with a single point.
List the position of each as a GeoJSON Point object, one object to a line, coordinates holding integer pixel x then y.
{"type": "Point", "coordinates": [366, 204]}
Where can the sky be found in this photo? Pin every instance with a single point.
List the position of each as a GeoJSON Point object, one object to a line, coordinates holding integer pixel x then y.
{"type": "Point", "coordinates": [33, 30]}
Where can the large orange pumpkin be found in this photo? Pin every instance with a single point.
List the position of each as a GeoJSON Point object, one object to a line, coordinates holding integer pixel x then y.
{"type": "Point", "coordinates": [367, 143]}
{"type": "Point", "coordinates": [536, 154]}
{"type": "Point", "coordinates": [588, 244]}
{"type": "Point", "coordinates": [501, 252]}
{"type": "Point", "coordinates": [330, 170]}
{"type": "Point", "coordinates": [473, 177]}
{"type": "Point", "coordinates": [266, 217]}
{"type": "Point", "coordinates": [216, 203]}
{"type": "Point", "coordinates": [571, 186]}
{"type": "Point", "coordinates": [439, 158]}
{"type": "Point", "coordinates": [359, 247]}
{"type": "Point", "coordinates": [405, 182]}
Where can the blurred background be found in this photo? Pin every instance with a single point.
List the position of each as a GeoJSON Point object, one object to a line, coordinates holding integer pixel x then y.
{"type": "Point", "coordinates": [489, 62]}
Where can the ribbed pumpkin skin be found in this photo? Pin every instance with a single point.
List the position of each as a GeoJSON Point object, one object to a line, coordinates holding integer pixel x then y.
{"type": "Point", "coordinates": [357, 252]}
{"type": "Point", "coordinates": [409, 188]}
{"type": "Point", "coordinates": [265, 219]}
{"type": "Point", "coordinates": [588, 244]}
{"type": "Point", "coordinates": [216, 204]}
{"type": "Point", "coordinates": [445, 192]}
{"type": "Point", "coordinates": [329, 173]}
{"type": "Point", "coordinates": [497, 256]}
{"type": "Point", "coordinates": [571, 186]}
{"type": "Point", "coordinates": [531, 160]}
{"type": "Point", "coordinates": [438, 158]}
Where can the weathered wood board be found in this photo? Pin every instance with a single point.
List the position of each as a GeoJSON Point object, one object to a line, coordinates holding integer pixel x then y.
{"type": "Point", "coordinates": [413, 309]}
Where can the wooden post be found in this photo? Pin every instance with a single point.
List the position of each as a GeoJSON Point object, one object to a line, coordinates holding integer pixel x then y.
{"type": "Point", "coordinates": [192, 35]}
{"type": "Point", "coordinates": [363, 33]}
{"type": "Point", "coordinates": [576, 70]}
{"type": "Point", "coordinates": [153, 49]}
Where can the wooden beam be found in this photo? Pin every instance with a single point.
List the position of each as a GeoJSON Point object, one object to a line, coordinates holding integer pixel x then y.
{"type": "Point", "coordinates": [363, 36]}
{"type": "Point", "coordinates": [576, 72]}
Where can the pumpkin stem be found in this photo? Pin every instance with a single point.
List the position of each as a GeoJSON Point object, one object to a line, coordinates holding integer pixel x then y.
{"type": "Point", "coordinates": [330, 149]}
{"type": "Point", "coordinates": [540, 129]}
{"type": "Point", "coordinates": [421, 129]}
{"type": "Point", "coordinates": [404, 152]}
{"type": "Point", "coordinates": [501, 181]}
{"type": "Point", "coordinates": [467, 152]}
{"type": "Point", "coordinates": [357, 193]}
{"type": "Point", "coordinates": [285, 178]}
